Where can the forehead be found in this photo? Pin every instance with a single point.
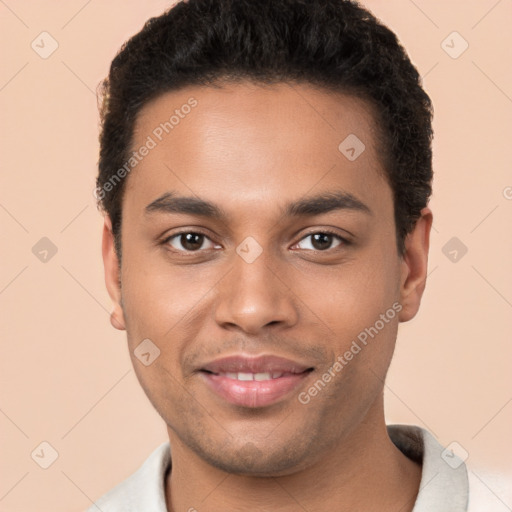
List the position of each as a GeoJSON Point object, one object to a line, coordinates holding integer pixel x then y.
{"type": "Point", "coordinates": [255, 143]}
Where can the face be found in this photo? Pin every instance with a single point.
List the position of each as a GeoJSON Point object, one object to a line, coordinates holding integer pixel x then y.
{"type": "Point", "coordinates": [255, 255]}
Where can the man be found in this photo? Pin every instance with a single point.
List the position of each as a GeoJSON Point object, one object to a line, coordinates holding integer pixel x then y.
{"type": "Point", "coordinates": [265, 170]}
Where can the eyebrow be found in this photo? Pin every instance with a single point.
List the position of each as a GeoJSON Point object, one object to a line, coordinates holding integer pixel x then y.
{"type": "Point", "coordinates": [319, 204]}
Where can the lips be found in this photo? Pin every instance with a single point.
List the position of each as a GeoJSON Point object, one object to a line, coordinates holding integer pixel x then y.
{"type": "Point", "coordinates": [253, 381]}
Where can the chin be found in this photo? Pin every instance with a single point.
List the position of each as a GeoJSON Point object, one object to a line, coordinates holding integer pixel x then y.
{"type": "Point", "coordinates": [258, 461]}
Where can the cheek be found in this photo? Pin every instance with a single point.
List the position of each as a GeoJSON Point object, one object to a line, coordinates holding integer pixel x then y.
{"type": "Point", "coordinates": [351, 297]}
{"type": "Point", "coordinates": [159, 299]}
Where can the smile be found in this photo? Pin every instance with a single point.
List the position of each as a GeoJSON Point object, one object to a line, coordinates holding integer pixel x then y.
{"type": "Point", "coordinates": [253, 381]}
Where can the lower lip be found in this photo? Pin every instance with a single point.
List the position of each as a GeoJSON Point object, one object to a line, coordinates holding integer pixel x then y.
{"type": "Point", "coordinates": [252, 393]}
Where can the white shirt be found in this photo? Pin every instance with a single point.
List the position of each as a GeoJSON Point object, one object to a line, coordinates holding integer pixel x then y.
{"type": "Point", "coordinates": [444, 485]}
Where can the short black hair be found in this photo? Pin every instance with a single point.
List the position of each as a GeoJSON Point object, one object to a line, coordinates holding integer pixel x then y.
{"type": "Point", "coordinates": [335, 44]}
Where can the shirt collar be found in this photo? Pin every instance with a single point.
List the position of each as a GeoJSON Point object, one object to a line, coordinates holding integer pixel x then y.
{"type": "Point", "coordinates": [444, 478]}
{"type": "Point", "coordinates": [443, 486]}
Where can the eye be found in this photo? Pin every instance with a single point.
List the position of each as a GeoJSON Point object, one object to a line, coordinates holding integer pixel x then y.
{"type": "Point", "coordinates": [189, 241]}
{"type": "Point", "coordinates": [322, 241]}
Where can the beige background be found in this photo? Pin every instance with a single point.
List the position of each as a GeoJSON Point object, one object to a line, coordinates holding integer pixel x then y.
{"type": "Point", "coordinates": [66, 377]}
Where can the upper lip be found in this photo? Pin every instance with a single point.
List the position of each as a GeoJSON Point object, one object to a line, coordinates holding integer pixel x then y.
{"type": "Point", "coordinates": [251, 364]}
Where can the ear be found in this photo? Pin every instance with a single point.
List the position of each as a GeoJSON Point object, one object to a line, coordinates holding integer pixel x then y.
{"type": "Point", "coordinates": [414, 266]}
{"type": "Point", "coordinates": [112, 277]}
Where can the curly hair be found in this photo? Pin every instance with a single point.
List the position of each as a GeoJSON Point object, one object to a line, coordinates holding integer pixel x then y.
{"type": "Point", "coordinates": [335, 44]}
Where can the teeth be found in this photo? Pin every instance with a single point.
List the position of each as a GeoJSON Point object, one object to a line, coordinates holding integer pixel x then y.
{"type": "Point", "coordinates": [253, 376]}
{"type": "Point", "coordinates": [262, 376]}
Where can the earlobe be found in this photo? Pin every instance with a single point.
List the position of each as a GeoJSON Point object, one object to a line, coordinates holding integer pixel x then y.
{"type": "Point", "coordinates": [112, 277]}
{"type": "Point", "coordinates": [414, 266]}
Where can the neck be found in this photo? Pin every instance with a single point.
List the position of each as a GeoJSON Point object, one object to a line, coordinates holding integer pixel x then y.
{"type": "Point", "coordinates": [364, 471]}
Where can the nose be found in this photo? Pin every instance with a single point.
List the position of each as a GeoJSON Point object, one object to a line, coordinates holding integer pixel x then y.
{"type": "Point", "coordinates": [254, 296]}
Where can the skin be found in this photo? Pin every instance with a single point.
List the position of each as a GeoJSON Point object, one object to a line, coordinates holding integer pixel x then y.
{"type": "Point", "coordinates": [250, 150]}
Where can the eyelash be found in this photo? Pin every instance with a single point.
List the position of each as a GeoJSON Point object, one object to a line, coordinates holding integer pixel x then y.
{"type": "Point", "coordinates": [344, 241]}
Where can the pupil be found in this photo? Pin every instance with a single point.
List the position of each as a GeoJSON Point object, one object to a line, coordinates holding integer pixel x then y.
{"type": "Point", "coordinates": [191, 241]}
{"type": "Point", "coordinates": [321, 241]}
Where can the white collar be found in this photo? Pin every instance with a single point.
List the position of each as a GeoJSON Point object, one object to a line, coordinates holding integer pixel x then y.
{"type": "Point", "coordinates": [443, 488]}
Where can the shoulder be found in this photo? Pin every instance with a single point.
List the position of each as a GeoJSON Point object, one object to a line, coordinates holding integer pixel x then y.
{"type": "Point", "coordinates": [143, 490]}
{"type": "Point", "coordinates": [489, 491]}
{"type": "Point", "coordinates": [449, 482]}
